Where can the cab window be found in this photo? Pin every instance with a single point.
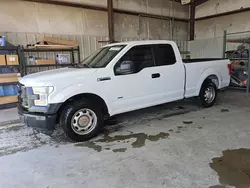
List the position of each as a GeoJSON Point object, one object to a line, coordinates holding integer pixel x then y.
{"type": "Point", "coordinates": [135, 60]}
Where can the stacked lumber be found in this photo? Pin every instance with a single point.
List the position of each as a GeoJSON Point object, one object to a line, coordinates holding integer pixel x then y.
{"type": "Point", "coordinates": [53, 43]}
{"type": "Point", "coordinates": [8, 100]}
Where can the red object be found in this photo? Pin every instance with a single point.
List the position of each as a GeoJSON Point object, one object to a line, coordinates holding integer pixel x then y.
{"type": "Point", "coordinates": [229, 66]}
{"type": "Point", "coordinates": [244, 83]}
{"type": "Point", "coordinates": [235, 63]}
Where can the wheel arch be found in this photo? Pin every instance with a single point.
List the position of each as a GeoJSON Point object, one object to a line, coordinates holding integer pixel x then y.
{"type": "Point", "coordinates": [213, 78]}
{"type": "Point", "coordinates": [209, 75]}
{"type": "Point", "coordinates": [96, 99]}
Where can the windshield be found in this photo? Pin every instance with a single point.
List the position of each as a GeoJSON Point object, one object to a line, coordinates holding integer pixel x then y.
{"type": "Point", "coordinates": [101, 57]}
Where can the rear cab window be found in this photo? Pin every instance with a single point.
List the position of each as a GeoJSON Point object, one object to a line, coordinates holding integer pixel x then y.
{"type": "Point", "coordinates": [164, 55]}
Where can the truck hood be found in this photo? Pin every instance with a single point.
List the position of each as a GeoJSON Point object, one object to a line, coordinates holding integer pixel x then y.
{"type": "Point", "coordinates": [63, 75]}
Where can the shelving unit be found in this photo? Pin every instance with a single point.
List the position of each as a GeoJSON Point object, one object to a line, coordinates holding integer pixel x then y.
{"type": "Point", "coordinates": [74, 52]}
{"type": "Point", "coordinates": [10, 50]}
{"type": "Point", "coordinates": [52, 65]}
{"type": "Point", "coordinates": [9, 77]}
{"type": "Point", "coordinates": [240, 73]}
{"type": "Point", "coordinates": [44, 54]}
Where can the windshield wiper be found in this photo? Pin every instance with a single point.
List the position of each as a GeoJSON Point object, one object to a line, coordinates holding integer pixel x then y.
{"type": "Point", "coordinates": [82, 66]}
{"type": "Point", "coordinates": [86, 65]}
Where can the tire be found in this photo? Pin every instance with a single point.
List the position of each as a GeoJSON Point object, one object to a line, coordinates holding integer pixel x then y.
{"type": "Point", "coordinates": [76, 115]}
{"type": "Point", "coordinates": [208, 100]}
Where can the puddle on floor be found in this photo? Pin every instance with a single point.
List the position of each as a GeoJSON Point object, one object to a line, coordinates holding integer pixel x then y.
{"type": "Point", "coordinates": [111, 121]}
{"type": "Point", "coordinates": [218, 186]}
{"type": "Point", "coordinates": [119, 150]}
{"type": "Point", "coordinates": [181, 107]}
{"type": "Point", "coordinates": [233, 168]}
{"type": "Point", "coordinates": [155, 138]}
{"type": "Point", "coordinates": [140, 138]}
{"type": "Point", "coordinates": [139, 142]}
{"type": "Point", "coordinates": [91, 145]}
{"type": "Point", "coordinates": [188, 122]}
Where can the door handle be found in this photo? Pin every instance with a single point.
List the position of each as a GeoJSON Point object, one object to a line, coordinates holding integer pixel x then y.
{"type": "Point", "coordinates": [156, 75]}
{"type": "Point", "coordinates": [103, 79]}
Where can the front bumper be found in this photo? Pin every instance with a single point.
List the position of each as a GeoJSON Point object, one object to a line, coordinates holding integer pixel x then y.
{"type": "Point", "coordinates": [42, 119]}
{"type": "Point", "coordinates": [41, 122]}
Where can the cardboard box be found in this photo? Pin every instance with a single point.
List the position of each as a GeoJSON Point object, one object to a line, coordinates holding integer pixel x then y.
{"type": "Point", "coordinates": [45, 62]}
{"type": "Point", "coordinates": [12, 60]}
{"type": "Point", "coordinates": [2, 60]}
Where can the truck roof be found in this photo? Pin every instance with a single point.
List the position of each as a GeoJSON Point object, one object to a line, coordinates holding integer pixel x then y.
{"type": "Point", "coordinates": [142, 42]}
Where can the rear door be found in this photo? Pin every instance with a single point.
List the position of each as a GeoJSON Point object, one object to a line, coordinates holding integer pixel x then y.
{"type": "Point", "coordinates": [170, 84]}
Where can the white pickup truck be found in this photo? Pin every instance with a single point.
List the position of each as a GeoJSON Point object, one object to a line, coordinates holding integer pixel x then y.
{"type": "Point", "coordinates": [115, 79]}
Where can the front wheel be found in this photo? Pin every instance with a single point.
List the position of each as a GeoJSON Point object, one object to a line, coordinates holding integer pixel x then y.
{"type": "Point", "coordinates": [81, 120]}
{"type": "Point", "coordinates": [208, 94]}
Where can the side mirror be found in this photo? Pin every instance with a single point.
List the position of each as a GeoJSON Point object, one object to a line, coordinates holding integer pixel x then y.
{"type": "Point", "coordinates": [126, 67]}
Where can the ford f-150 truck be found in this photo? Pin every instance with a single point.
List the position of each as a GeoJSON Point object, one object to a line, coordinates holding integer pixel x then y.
{"type": "Point", "coordinates": [117, 78]}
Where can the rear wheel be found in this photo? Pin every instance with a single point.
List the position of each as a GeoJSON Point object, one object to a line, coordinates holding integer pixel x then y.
{"type": "Point", "coordinates": [208, 94]}
{"type": "Point", "coordinates": [81, 120]}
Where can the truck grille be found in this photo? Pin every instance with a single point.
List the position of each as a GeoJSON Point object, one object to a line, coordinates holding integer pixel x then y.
{"type": "Point", "coordinates": [24, 96]}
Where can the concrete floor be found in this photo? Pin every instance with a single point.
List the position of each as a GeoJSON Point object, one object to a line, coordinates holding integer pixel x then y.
{"type": "Point", "coordinates": [154, 147]}
{"type": "Point", "coordinates": [8, 116]}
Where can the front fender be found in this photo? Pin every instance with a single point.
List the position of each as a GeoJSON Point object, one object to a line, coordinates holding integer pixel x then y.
{"type": "Point", "coordinates": [204, 76]}
{"type": "Point", "coordinates": [76, 89]}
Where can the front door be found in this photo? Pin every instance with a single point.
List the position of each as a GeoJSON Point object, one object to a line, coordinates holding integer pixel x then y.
{"type": "Point", "coordinates": [134, 90]}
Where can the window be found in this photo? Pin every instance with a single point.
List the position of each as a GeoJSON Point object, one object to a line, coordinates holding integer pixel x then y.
{"type": "Point", "coordinates": [164, 55]}
{"type": "Point", "coordinates": [141, 57]}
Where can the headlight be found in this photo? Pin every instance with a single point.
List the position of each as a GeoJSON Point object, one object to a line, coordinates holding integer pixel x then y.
{"type": "Point", "coordinates": [43, 93]}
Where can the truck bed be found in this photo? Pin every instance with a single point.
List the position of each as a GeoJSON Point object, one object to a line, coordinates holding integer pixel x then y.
{"type": "Point", "coordinates": [198, 69]}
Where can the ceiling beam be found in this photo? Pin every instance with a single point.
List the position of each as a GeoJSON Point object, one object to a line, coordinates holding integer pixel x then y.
{"type": "Point", "coordinates": [193, 5]}
{"type": "Point", "coordinates": [224, 14]}
{"type": "Point", "coordinates": [69, 4]}
{"type": "Point", "coordinates": [178, 1]}
{"type": "Point", "coordinates": [111, 21]}
{"type": "Point", "coordinates": [192, 21]}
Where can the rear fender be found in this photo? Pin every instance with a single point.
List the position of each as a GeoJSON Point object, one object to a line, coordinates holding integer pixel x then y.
{"type": "Point", "coordinates": [204, 76]}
